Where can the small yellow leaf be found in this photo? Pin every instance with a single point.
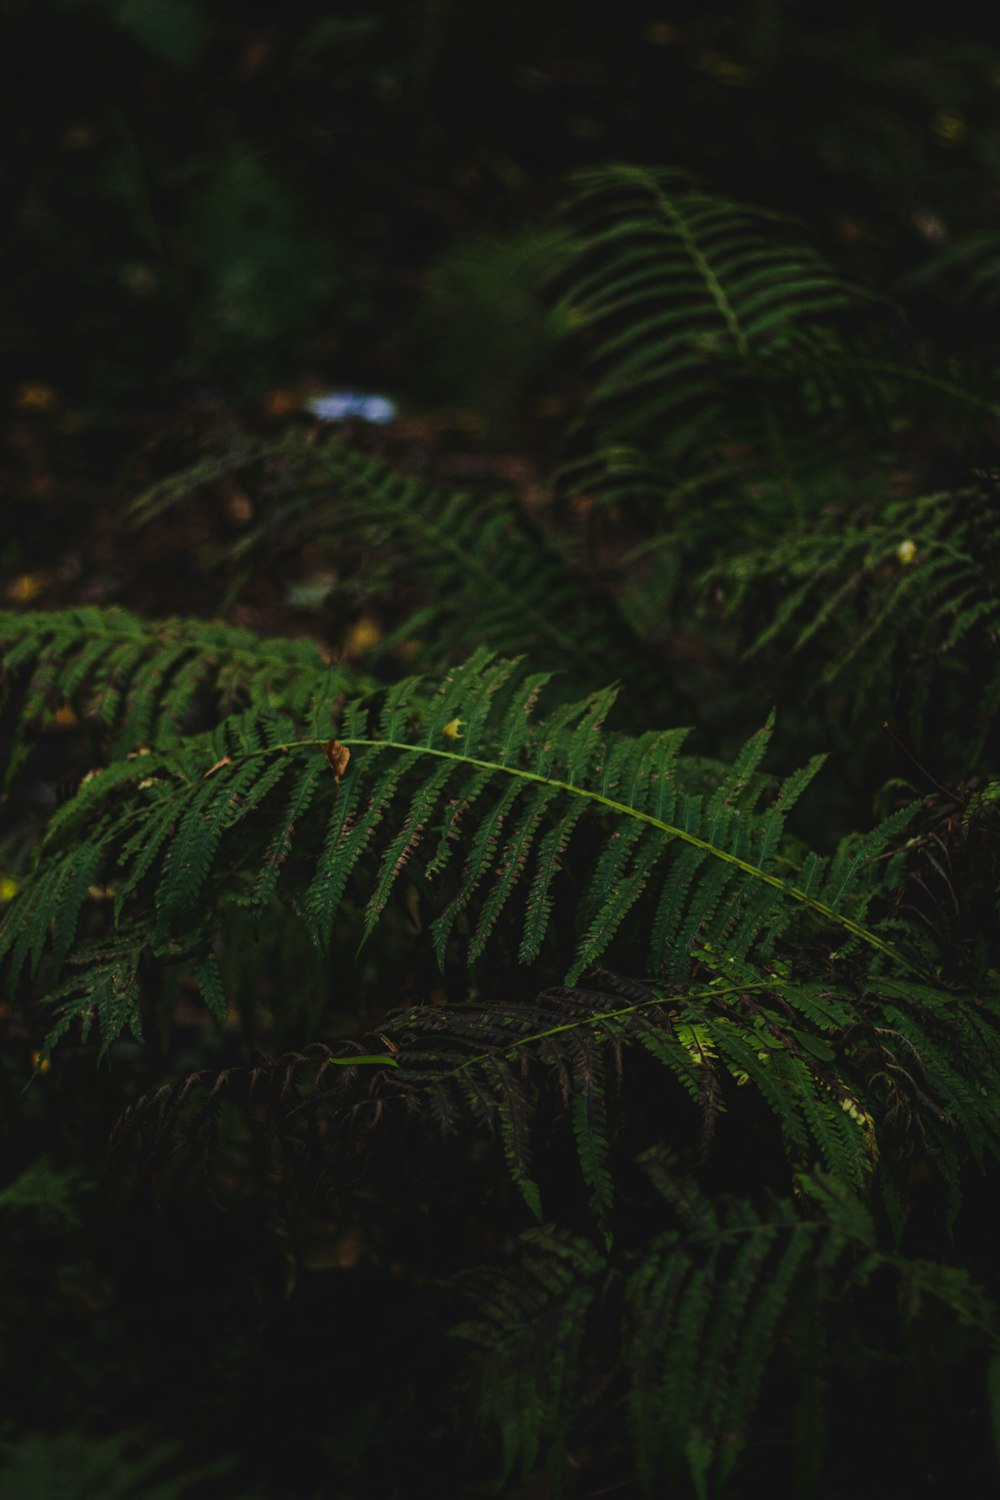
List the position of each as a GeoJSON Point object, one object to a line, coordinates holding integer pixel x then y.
{"type": "Point", "coordinates": [27, 586]}
{"type": "Point", "coordinates": [453, 730]}
{"type": "Point", "coordinates": [8, 890]}
{"type": "Point", "coordinates": [906, 551]}
{"type": "Point", "coordinates": [41, 1064]}
{"type": "Point", "coordinates": [226, 760]}
{"type": "Point", "coordinates": [362, 636]}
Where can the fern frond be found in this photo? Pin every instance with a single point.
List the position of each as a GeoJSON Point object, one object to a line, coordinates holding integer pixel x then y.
{"type": "Point", "coordinates": [483, 564]}
{"type": "Point", "coordinates": [532, 1406]}
{"type": "Point", "coordinates": [702, 276]}
{"type": "Point", "coordinates": [148, 683]}
{"type": "Point", "coordinates": [105, 988]}
{"type": "Point", "coordinates": [850, 588]}
{"type": "Point", "coordinates": [752, 1030]}
{"type": "Point", "coordinates": [709, 330]}
{"type": "Point", "coordinates": [707, 1309]}
{"type": "Point", "coordinates": [122, 1466]}
{"type": "Point", "coordinates": [836, 1070]}
{"type": "Point", "coordinates": [208, 817]}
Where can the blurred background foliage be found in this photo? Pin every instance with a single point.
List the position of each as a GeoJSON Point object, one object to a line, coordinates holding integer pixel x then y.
{"type": "Point", "coordinates": [210, 198]}
{"type": "Point", "coordinates": [218, 210]}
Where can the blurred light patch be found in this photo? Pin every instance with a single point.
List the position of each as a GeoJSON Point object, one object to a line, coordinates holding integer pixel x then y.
{"type": "Point", "coordinates": [32, 395]}
{"type": "Point", "coordinates": [27, 586]}
{"type": "Point", "coordinates": [280, 403]}
{"type": "Point", "coordinates": [949, 127]}
{"type": "Point", "coordinates": [362, 636]}
{"type": "Point", "coordinates": [661, 33]}
{"type": "Point", "coordinates": [348, 406]}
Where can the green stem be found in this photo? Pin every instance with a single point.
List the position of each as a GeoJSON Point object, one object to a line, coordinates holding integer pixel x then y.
{"type": "Point", "coordinates": [793, 892]}
{"type": "Point", "coordinates": [611, 1015]}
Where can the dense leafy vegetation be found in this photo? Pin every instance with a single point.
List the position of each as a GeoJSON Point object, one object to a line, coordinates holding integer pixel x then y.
{"type": "Point", "coordinates": [525, 1020]}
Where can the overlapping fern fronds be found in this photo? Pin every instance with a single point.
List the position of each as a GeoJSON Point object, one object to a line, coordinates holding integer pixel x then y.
{"type": "Point", "coordinates": [582, 1044]}
{"type": "Point", "coordinates": [467, 793]}
{"type": "Point", "coordinates": [851, 587]}
{"type": "Point", "coordinates": [854, 1079]}
{"type": "Point", "coordinates": [837, 1067]}
{"type": "Point", "coordinates": [443, 565]}
{"type": "Point", "coordinates": [148, 683]}
{"type": "Point", "coordinates": [727, 355]}
{"type": "Point", "coordinates": [120, 1466]}
{"type": "Point", "coordinates": [710, 331]}
{"type": "Point", "coordinates": [690, 1327]}
{"type": "Point", "coordinates": [499, 1067]}
{"type": "Point", "coordinates": [691, 279]}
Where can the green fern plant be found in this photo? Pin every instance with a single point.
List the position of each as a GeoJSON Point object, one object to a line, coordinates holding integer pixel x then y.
{"type": "Point", "coordinates": [729, 361]}
{"type": "Point", "coordinates": [439, 563]}
{"type": "Point", "coordinates": [709, 328]}
{"type": "Point", "coordinates": [847, 590]}
{"type": "Point", "coordinates": [120, 1467]}
{"type": "Point", "coordinates": [181, 834]}
{"type": "Point", "coordinates": [706, 1311]}
{"type": "Point", "coordinates": [802, 1063]}
{"type": "Point", "coordinates": [141, 684]}
{"type": "Point", "coordinates": [770, 975]}
{"type": "Point", "coordinates": [850, 1083]}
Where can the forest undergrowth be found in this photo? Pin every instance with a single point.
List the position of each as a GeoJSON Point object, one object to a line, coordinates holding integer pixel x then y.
{"type": "Point", "coordinates": [531, 1027]}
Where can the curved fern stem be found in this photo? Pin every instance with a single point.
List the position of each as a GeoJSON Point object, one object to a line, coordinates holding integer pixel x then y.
{"type": "Point", "coordinates": [594, 1018]}
{"type": "Point", "coordinates": [793, 892]}
{"type": "Point", "coordinates": [499, 768]}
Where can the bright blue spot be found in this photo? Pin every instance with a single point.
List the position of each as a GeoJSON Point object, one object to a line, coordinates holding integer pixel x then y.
{"type": "Point", "coordinates": [343, 406]}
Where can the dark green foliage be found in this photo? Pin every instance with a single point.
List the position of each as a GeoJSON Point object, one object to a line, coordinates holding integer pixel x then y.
{"type": "Point", "coordinates": [431, 560]}
{"type": "Point", "coordinates": [142, 684]}
{"type": "Point", "coordinates": [340, 937]}
{"type": "Point", "coordinates": [726, 357]}
{"type": "Point", "coordinates": [702, 1316]}
{"type": "Point", "coordinates": [110, 1468]}
{"type": "Point", "coordinates": [494, 290]}
{"type": "Point", "coordinates": [845, 591]}
{"type": "Point", "coordinates": [685, 848]}
{"type": "Point", "coordinates": [782, 985]}
{"type": "Point", "coordinates": [852, 1084]}
{"type": "Point", "coordinates": [745, 400]}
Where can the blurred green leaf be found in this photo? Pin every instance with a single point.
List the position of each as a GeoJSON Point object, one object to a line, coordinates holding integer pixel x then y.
{"type": "Point", "coordinates": [175, 30]}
